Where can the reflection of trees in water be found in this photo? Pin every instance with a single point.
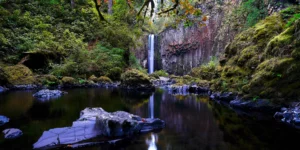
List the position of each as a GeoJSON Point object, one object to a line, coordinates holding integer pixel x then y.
{"type": "Point", "coordinates": [250, 133]}
{"type": "Point", "coordinates": [189, 123]}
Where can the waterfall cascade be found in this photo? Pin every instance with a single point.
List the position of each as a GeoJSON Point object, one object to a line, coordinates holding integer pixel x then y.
{"type": "Point", "coordinates": [151, 54]}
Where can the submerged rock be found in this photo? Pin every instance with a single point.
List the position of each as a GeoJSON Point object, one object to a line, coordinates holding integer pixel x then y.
{"type": "Point", "coordinates": [3, 120]}
{"type": "Point", "coordinates": [12, 133]}
{"type": "Point", "coordinates": [96, 122]}
{"type": "Point", "coordinates": [48, 94]}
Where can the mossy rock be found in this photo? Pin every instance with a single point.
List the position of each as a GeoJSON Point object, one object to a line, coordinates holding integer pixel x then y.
{"type": "Point", "coordinates": [48, 80]}
{"type": "Point", "coordinates": [93, 78]}
{"type": "Point", "coordinates": [203, 83]}
{"type": "Point", "coordinates": [160, 73]}
{"type": "Point", "coordinates": [19, 75]}
{"type": "Point", "coordinates": [135, 79]}
{"type": "Point", "coordinates": [68, 81]}
{"type": "Point", "coordinates": [104, 79]}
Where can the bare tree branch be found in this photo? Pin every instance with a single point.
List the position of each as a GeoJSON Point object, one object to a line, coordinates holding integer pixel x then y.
{"type": "Point", "coordinates": [170, 9]}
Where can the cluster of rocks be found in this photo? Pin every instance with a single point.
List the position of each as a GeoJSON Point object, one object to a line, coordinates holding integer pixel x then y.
{"type": "Point", "coordinates": [47, 94]}
{"type": "Point", "coordinates": [10, 133]}
{"type": "Point", "coordinates": [289, 115]}
{"type": "Point", "coordinates": [95, 122]}
{"type": "Point", "coordinates": [259, 105]}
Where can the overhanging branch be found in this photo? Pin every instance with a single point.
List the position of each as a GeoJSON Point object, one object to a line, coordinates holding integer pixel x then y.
{"type": "Point", "coordinates": [170, 9]}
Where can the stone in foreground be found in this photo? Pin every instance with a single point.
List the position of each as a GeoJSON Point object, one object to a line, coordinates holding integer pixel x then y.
{"type": "Point", "coordinates": [48, 94]}
{"type": "Point", "coordinates": [95, 122]}
{"type": "Point", "coordinates": [12, 133]}
{"type": "Point", "coordinates": [3, 120]}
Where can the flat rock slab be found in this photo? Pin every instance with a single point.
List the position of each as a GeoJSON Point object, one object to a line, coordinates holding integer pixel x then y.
{"type": "Point", "coordinates": [96, 122]}
{"type": "Point", "coordinates": [12, 133]}
{"type": "Point", "coordinates": [3, 120]}
{"type": "Point", "coordinates": [48, 94]}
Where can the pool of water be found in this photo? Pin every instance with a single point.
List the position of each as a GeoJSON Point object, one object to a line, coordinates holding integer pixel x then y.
{"type": "Point", "coordinates": [192, 121]}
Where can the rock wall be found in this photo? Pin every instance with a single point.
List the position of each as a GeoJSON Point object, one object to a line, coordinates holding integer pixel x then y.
{"type": "Point", "coordinates": [178, 50]}
{"type": "Point", "coordinates": [187, 47]}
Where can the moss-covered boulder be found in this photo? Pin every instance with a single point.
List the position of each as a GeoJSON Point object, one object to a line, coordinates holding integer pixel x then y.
{"type": "Point", "coordinates": [104, 79]}
{"type": "Point", "coordinates": [68, 81]}
{"type": "Point", "coordinates": [19, 75]}
{"type": "Point", "coordinates": [135, 79]}
{"type": "Point", "coordinates": [48, 80]}
{"type": "Point", "coordinates": [93, 78]}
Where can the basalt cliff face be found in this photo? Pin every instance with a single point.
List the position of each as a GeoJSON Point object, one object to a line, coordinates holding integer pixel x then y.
{"type": "Point", "coordinates": [178, 50]}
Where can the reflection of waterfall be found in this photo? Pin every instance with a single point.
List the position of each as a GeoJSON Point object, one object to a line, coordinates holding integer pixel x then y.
{"type": "Point", "coordinates": [151, 107]}
{"type": "Point", "coordinates": [151, 53]}
{"type": "Point", "coordinates": [152, 142]}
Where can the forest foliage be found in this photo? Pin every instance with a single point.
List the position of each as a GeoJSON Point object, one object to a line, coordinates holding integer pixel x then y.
{"type": "Point", "coordinates": [70, 36]}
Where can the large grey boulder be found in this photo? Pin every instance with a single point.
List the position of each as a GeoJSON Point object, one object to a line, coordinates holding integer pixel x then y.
{"type": "Point", "coordinates": [3, 120]}
{"type": "Point", "coordinates": [12, 133]}
{"type": "Point", "coordinates": [48, 94]}
{"type": "Point", "coordinates": [96, 122]}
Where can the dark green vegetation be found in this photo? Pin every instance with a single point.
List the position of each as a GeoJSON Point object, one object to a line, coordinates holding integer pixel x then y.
{"type": "Point", "coordinates": [63, 39]}
{"type": "Point", "coordinates": [262, 61]}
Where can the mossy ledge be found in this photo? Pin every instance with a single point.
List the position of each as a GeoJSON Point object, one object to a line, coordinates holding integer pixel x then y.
{"type": "Point", "coordinates": [260, 63]}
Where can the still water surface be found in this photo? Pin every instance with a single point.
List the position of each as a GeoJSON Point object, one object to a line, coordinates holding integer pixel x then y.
{"type": "Point", "coordinates": [193, 122]}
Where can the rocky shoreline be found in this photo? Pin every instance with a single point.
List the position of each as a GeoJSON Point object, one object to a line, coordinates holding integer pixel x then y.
{"type": "Point", "coordinates": [230, 99]}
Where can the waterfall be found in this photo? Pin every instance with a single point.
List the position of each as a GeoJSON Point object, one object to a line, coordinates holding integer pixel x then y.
{"type": "Point", "coordinates": [151, 53]}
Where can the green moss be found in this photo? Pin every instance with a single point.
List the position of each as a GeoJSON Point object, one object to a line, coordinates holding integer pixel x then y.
{"type": "Point", "coordinates": [134, 77]}
{"type": "Point", "coordinates": [279, 45]}
{"type": "Point", "coordinates": [19, 75]}
{"type": "Point", "coordinates": [104, 79]}
{"type": "Point", "coordinates": [93, 78]}
{"type": "Point", "coordinates": [48, 80]}
{"type": "Point", "coordinates": [161, 73]}
{"type": "Point", "coordinates": [68, 81]}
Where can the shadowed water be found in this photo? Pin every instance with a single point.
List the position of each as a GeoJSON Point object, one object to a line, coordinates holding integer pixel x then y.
{"type": "Point", "coordinates": [192, 122]}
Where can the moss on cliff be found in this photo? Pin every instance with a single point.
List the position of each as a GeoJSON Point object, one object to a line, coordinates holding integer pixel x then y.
{"type": "Point", "coordinates": [262, 61]}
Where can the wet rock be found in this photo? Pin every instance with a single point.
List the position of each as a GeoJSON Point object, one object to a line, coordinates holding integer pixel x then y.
{"type": "Point", "coordinates": [261, 105]}
{"type": "Point", "coordinates": [290, 116]}
{"type": "Point", "coordinates": [25, 87]}
{"type": "Point", "coordinates": [198, 89]}
{"type": "Point", "coordinates": [3, 120]}
{"type": "Point", "coordinates": [162, 81]}
{"type": "Point", "coordinates": [3, 89]}
{"type": "Point", "coordinates": [12, 133]}
{"type": "Point", "coordinates": [178, 89]}
{"type": "Point", "coordinates": [226, 96]}
{"type": "Point", "coordinates": [96, 122]}
{"type": "Point", "coordinates": [48, 94]}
